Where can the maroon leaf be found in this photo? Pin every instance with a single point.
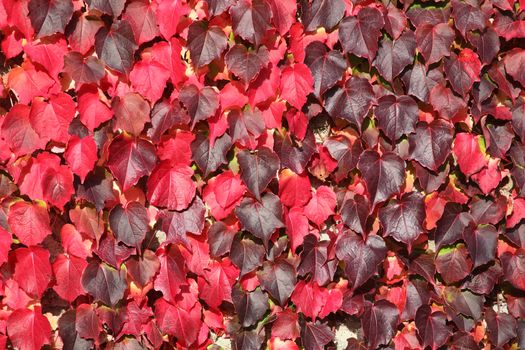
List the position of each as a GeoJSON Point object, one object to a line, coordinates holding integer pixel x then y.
{"type": "Point", "coordinates": [514, 267]}
{"type": "Point", "coordinates": [397, 116]}
{"type": "Point", "coordinates": [129, 223]}
{"type": "Point", "coordinates": [453, 263]}
{"type": "Point", "coordinates": [327, 66]}
{"type": "Point", "coordinates": [116, 46]}
{"type": "Point", "coordinates": [205, 43]}
{"type": "Point", "coordinates": [258, 169]}
{"type": "Point", "coordinates": [322, 13]}
{"type": "Point", "coordinates": [210, 157]}
{"type": "Point", "coordinates": [316, 335]}
{"type": "Point", "coordinates": [88, 70]}
{"type": "Point", "coordinates": [359, 34]}
{"type": "Point", "coordinates": [361, 257]}
{"type": "Point", "coordinates": [261, 218]}
{"type": "Point", "coordinates": [351, 102]}
{"type": "Point", "coordinates": [376, 168]}
{"type": "Point", "coordinates": [403, 219]}
{"type": "Point", "coordinates": [430, 145]}
{"type": "Point", "coordinates": [251, 20]}
{"type": "Point", "coordinates": [379, 322]}
{"type": "Point", "coordinates": [501, 327]}
{"type": "Point", "coordinates": [49, 17]}
{"type": "Point", "coordinates": [463, 70]}
{"type": "Point", "coordinates": [393, 56]}
{"type": "Point", "coordinates": [245, 64]}
{"type": "Point", "coordinates": [295, 155]}
{"type": "Point", "coordinates": [129, 159]}
{"type": "Point", "coordinates": [481, 243]}
{"type": "Point", "coordinates": [278, 278]}
{"type": "Point", "coordinates": [250, 306]}
{"type": "Point", "coordinates": [434, 41]}
{"type": "Point", "coordinates": [200, 103]}
{"type": "Point", "coordinates": [246, 255]}
{"type": "Point", "coordinates": [451, 225]}
{"type": "Point", "coordinates": [432, 327]}
{"type": "Point", "coordinates": [104, 283]}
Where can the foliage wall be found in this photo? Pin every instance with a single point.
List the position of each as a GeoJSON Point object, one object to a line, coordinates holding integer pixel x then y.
{"type": "Point", "coordinates": [276, 173]}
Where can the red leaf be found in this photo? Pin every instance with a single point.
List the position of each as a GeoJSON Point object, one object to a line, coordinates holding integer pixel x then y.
{"type": "Point", "coordinates": [32, 270]}
{"type": "Point", "coordinates": [68, 271]}
{"type": "Point", "coordinates": [296, 84]}
{"type": "Point", "coordinates": [469, 151]}
{"type": "Point", "coordinates": [81, 155]}
{"type": "Point", "coordinates": [321, 206]}
{"type": "Point", "coordinates": [29, 329]}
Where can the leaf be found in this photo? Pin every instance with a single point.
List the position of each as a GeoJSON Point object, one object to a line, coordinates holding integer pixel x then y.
{"type": "Point", "coordinates": [514, 62]}
{"type": "Point", "coordinates": [246, 127]}
{"type": "Point", "coordinates": [245, 64]}
{"type": "Point", "coordinates": [397, 116]}
{"type": "Point", "coordinates": [104, 283]}
{"type": "Point", "coordinates": [200, 103]}
{"type": "Point", "coordinates": [463, 70]}
{"type": "Point", "coordinates": [379, 322]}
{"type": "Point", "coordinates": [32, 270]}
{"type": "Point", "coordinates": [89, 70]}
{"type": "Point", "coordinates": [278, 278]}
{"type": "Point", "coordinates": [246, 255]}
{"type": "Point", "coordinates": [18, 132]}
{"type": "Point", "coordinates": [317, 260]}
{"type": "Point", "coordinates": [164, 116]}
{"type": "Point", "coordinates": [321, 206]}
{"type": "Point", "coordinates": [216, 284]}
{"type": "Point", "coordinates": [116, 46]}
{"type": "Point", "coordinates": [354, 213]}
{"type": "Point", "coordinates": [209, 157]}
{"type": "Point", "coordinates": [294, 155]}
{"type": "Point", "coordinates": [29, 222]}
{"type": "Point", "coordinates": [250, 306]}
{"type": "Point", "coordinates": [352, 102]}
{"type": "Point", "coordinates": [513, 268]}
{"type": "Point", "coordinates": [403, 219]}
{"type": "Point", "coordinates": [327, 66]}
{"type": "Point", "coordinates": [453, 263]}
{"type": "Point", "coordinates": [359, 34]}
{"type": "Point", "coordinates": [375, 168]}
{"type": "Point", "coordinates": [176, 224]}
{"type": "Point", "coordinates": [294, 189]}
{"type": "Point", "coordinates": [131, 113]}
{"type": "Point", "coordinates": [251, 20]}
{"type": "Point", "coordinates": [130, 159]}
{"type": "Point", "coordinates": [129, 224]}
{"type": "Point", "coordinates": [179, 322]}
{"type": "Point", "coordinates": [432, 327]}
{"type": "Point", "coordinates": [81, 155]}
{"type": "Point", "coordinates": [172, 274]}
{"type": "Point", "coordinates": [112, 7]}
{"type": "Point", "coordinates": [171, 186]}
{"type": "Point", "coordinates": [451, 225]}
{"type": "Point", "coordinates": [469, 152]}
{"type": "Point", "coordinates": [360, 256]}
{"type": "Point", "coordinates": [261, 218]}
{"type": "Point", "coordinates": [393, 56]}
{"type": "Point", "coordinates": [149, 78]}
{"type": "Point", "coordinates": [431, 143]}
{"type": "Point", "coordinates": [467, 17]}
{"type": "Point", "coordinates": [220, 238]}
{"type": "Point", "coordinates": [49, 17]}
{"type": "Point", "coordinates": [258, 169]}
{"type": "Point", "coordinates": [205, 43]}
{"type": "Point", "coordinates": [501, 327]}
{"type": "Point", "coordinates": [141, 18]}
{"type": "Point", "coordinates": [316, 335]}
{"type": "Point", "coordinates": [296, 84]}
{"type": "Point", "coordinates": [322, 13]}
{"type": "Point", "coordinates": [87, 321]}
{"type": "Point", "coordinates": [29, 329]}
{"type": "Point", "coordinates": [481, 243]}
{"type": "Point", "coordinates": [433, 41]}
{"type": "Point", "coordinates": [68, 271]}
{"type": "Point", "coordinates": [445, 102]}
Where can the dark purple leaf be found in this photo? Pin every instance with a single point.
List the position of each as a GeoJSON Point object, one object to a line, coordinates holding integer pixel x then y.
{"type": "Point", "coordinates": [116, 46]}
{"type": "Point", "coordinates": [205, 43]}
{"type": "Point", "coordinates": [104, 283]}
{"type": "Point", "coordinates": [327, 66]}
{"type": "Point", "coordinates": [321, 13]}
{"type": "Point", "coordinates": [432, 327]}
{"type": "Point", "coordinates": [246, 255]}
{"type": "Point", "coordinates": [359, 34]}
{"type": "Point", "coordinates": [396, 115]}
{"type": "Point", "coordinates": [210, 157]}
{"type": "Point", "coordinates": [393, 56]}
{"type": "Point", "coordinates": [431, 144]}
{"type": "Point", "coordinates": [249, 306]}
{"type": "Point", "coordinates": [379, 322]}
{"type": "Point", "coordinates": [258, 168]}
{"type": "Point", "coordinates": [278, 278]}
{"type": "Point", "coordinates": [129, 224]}
{"type": "Point", "coordinates": [383, 174]}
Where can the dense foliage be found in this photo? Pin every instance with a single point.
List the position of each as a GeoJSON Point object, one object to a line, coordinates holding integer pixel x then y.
{"type": "Point", "coordinates": [281, 174]}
